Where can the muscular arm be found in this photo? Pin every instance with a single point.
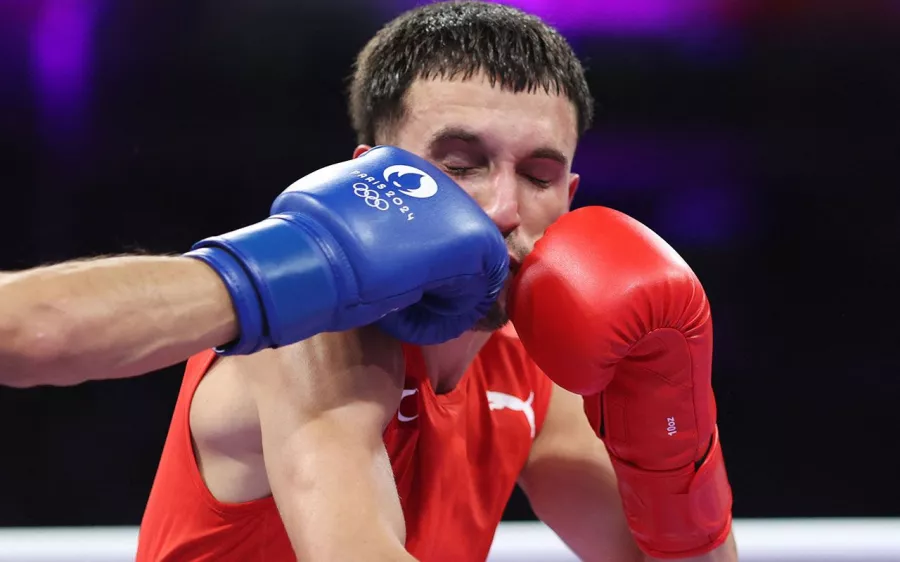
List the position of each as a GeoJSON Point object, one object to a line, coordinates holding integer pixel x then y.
{"type": "Point", "coordinates": [571, 485]}
{"type": "Point", "coordinates": [108, 318]}
{"type": "Point", "coordinates": [323, 405]}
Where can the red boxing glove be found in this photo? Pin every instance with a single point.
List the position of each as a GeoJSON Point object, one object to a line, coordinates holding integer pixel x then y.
{"type": "Point", "coordinates": [610, 311]}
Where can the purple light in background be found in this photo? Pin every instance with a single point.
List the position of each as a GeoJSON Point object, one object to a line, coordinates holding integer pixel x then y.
{"type": "Point", "coordinates": [637, 160]}
{"type": "Point", "coordinates": [622, 17]}
{"type": "Point", "coordinates": [709, 215]}
{"type": "Point", "coordinates": [693, 182]}
{"type": "Point", "coordinates": [61, 58]}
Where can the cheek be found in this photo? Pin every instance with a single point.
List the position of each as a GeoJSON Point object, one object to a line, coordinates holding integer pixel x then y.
{"type": "Point", "coordinates": [543, 208]}
{"type": "Point", "coordinates": [477, 188]}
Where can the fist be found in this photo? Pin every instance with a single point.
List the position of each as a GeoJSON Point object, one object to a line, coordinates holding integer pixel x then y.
{"type": "Point", "coordinates": [596, 284]}
{"type": "Point", "coordinates": [608, 310]}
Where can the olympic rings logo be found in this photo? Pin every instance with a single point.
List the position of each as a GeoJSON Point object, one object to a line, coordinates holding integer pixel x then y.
{"type": "Point", "coordinates": [370, 196]}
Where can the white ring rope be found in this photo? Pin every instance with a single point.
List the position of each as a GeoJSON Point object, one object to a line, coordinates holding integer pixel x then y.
{"type": "Point", "coordinates": [770, 540]}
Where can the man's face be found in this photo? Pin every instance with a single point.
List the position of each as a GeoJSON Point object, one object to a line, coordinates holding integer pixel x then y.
{"type": "Point", "coordinates": [512, 152]}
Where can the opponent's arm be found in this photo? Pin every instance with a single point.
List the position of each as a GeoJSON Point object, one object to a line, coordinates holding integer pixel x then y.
{"type": "Point", "coordinates": [108, 318]}
{"type": "Point", "coordinates": [323, 405]}
{"type": "Point", "coordinates": [572, 487]}
{"type": "Point", "coordinates": [317, 264]}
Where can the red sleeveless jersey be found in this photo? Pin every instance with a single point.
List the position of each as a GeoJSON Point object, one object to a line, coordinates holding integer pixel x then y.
{"type": "Point", "coordinates": [455, 456]}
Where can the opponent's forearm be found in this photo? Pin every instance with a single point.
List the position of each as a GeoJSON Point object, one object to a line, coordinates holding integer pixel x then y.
{"type": "Point", "coordinates": [108, 318]}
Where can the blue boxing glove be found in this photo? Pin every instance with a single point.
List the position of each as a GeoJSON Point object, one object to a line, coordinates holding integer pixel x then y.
{"type": "Point", "coordinates": [352, 242]}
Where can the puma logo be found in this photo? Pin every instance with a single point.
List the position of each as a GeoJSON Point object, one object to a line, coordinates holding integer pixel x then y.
{"type": "Point", "coordinates": [502, 401]}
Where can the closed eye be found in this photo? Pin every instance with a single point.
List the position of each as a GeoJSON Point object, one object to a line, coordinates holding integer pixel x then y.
{"type": "Point", "coordinates": [457, 171]}
{"type": "Point", "coordinates": [539, 181]}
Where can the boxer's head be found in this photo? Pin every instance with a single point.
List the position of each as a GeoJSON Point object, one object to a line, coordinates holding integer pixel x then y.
{"type": "Point", "coordinates": [491, 95]}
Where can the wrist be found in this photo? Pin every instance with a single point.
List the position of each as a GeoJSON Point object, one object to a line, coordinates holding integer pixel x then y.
{"type": "Point", "coordinates": [680, 513]}
{"type": "Point", "coordinates": [248, 330]}
{"type": "Point", "coordinates": [278, 276]}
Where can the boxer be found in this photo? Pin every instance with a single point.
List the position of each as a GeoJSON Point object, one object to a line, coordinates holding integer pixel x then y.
{"type": "Point", "coordinates": [354, 445]}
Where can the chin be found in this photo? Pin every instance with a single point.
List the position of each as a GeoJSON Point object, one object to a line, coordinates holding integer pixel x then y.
{"type": "Point", "coordinates": [496, 318]}
{"type": "Point", "coordinates": [492, 322]}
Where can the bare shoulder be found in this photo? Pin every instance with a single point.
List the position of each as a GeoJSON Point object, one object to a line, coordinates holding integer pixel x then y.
{"type": "Point", "coordinates": [223, 415]}
{"type": "Point", "coordinates": [321, 372]}
{"type": "Point", "coordinates": [282, 386]}
{"type": "Point", "coordinates": [225, 404]}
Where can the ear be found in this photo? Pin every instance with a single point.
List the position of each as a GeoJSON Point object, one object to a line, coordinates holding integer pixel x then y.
{"type": "Point", "coordinates": [360, 150]}
{"type": "Point", "coordinates": [574, 181]}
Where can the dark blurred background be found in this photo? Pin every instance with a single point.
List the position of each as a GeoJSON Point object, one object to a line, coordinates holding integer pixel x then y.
{"type": "Point", "coordinates": [760, 139]}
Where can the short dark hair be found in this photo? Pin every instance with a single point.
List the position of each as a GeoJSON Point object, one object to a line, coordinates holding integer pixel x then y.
{"type": "Point", "coordinates": [450, 40]}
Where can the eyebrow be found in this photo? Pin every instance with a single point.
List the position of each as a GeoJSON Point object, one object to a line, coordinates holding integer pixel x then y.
{"type": "Point", "coordinates": [469, 137]}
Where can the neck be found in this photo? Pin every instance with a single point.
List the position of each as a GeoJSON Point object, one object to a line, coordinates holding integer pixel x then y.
{"type": "Point", "coordinates": [446, 363]}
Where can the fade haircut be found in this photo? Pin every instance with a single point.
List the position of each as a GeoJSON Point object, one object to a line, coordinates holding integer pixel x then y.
{"type": "Point", "coordinates": [452, 40]}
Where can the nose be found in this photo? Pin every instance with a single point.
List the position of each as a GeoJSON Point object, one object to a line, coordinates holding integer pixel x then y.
{"type": "Point", "coordinates": [502, 203]}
